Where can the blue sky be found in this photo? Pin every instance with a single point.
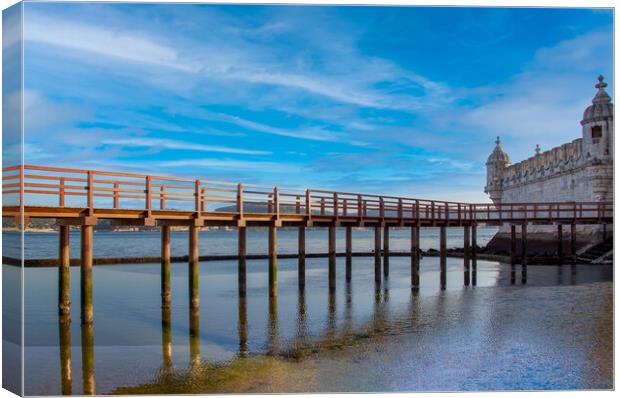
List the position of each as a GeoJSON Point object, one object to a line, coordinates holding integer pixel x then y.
{"type": "Point", "coordinates": [394, 100]}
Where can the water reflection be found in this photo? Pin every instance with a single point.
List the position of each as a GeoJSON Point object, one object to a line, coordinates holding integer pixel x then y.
{"type": "Point", "coordinates": [88, 359]}
{"type": "Point", "coordinates": [66, 375]}
{"type": "Point", "coordinates": [338, 328]}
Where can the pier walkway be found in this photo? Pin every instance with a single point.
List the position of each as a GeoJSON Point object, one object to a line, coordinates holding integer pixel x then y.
{"type": "Point", "coordinates": [76, 197]}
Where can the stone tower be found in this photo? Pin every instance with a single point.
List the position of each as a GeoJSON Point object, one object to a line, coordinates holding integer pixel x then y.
{"type": "Point", "coordinates": [598, 142]}
{"type": "Point", "coordinates": [496, 164]}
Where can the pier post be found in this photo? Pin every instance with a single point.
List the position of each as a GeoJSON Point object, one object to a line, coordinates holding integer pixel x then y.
{"type": "Point", "coordinates": [332, 257]}
{"type": "Point", "coordinates": [573, 242]}
{"type": "Point", "coordinates": [524, 244]}
{"type": "Point", "coordinates": [386, 251]}
{"type": "Point", "coordinates": [349, 251]}
{"type": "Point", "coordinates": [165, 267]}
{"type": "Point", "coordinates": [86, 274]}
{"type": "Point", "coordinates": [474, 254]}
{"type": "Point", "coordinates": [88, 359]}
{"type": "Point", "coordinates": [377, 253]}
{"type": "Point", "coordinates": [66, 372]}
{"type": "Point", "coordinates": [241, 269]}
{"type": "Point", "coordinates": [513, 244]}
{"type": "Point", "coordinates": [243, 327]}
{"type": "Point", "coordinates": [273, 261]}
{"type": "Point", "coordinates": [64, 288]}
{"type": "Point", "coordinates": [194, 270]}
{"type": "Point", "coordinates": [560, 244]}
{"type": "Point", "coordinates": [301, 265]}
{"type": "Point", "coordinates": [466, 258]}
{"type": "Point", "coordinates": [442, 256]}
{"type": "Point", "coordinates": [415, 256]}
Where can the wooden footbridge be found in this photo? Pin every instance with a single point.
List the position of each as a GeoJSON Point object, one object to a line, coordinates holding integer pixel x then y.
{"type": "Point", "coordinates": [77, 197]}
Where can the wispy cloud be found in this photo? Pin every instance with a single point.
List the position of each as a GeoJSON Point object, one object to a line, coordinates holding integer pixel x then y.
{"type": "Point", "coordinates": [162, 143]}
{"type": "Point", "coordinates": [231, 164]}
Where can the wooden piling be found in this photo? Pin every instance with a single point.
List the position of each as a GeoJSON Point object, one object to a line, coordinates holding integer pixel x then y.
{"type": "Point", "coordinates": [86, 274]}
{"type": "Point", "coordinates": [513, 244]}
{"type": "Point", "coordinates": [301, 264]}
{"type": "Point", "coordinates": [349, 252]}
{"type": "Point", "coordinates": [166, 293]}
{"type": "Point", "coordinates": [378, 254]}
{"type": "Point", "coordinates": [442, 256]}
{"type": "Point", "coordinates": [273, 261]}
{"type": "Point", "coordinates": [64, 278]}
{"type": "Point", "coordinates": [560, 244]}
{"type": "Point", "coordinates": [88, 359]}
{"type": "Point", "coordinates": [386, 251]}
{"type": "Point", "coordinates": [332, 257]}
{"type": "Point", "coordinates": [242, 265]}
{"type": "Point", "coordinates": [474, 254]}
{"type": "Point", "coordinates": [573, 243]}
{"type": "Point", "coordinates": [194, 270]}
{"type": "Point", "coordinates": [524, 244]}
{"type": "Point", "coordinates": [466, 255]}
{"type": "Point", "coordinates": [415, 256]}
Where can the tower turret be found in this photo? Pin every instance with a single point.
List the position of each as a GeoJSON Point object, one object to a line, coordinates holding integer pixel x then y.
{"type": "Point", "coordinates": [598, 142]}
{"type": "Point", "coordinates": [496, 164]}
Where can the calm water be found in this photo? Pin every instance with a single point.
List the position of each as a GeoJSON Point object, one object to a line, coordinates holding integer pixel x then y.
{"type": "Point", "coordinates": [548, 328]}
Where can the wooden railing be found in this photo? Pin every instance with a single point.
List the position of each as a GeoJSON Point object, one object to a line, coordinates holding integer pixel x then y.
{"type": "Point", "coordinates": [90, 189]}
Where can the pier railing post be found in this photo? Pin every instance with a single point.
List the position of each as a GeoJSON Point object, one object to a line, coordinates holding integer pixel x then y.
{"type": "Point", "coordinates": [349, 251]}
{"type": "Point", "coordinates": [86, 274]}
{"type": "Point", "coordinates": [386, 251]}
{"type": "Point", "coordinates": [273, 260]}
{"type": "Point", "coordinates": [64, 287]}
{"type": "Point", "coordinates": [194, 271]}
{"type": "Point", "coordinates": [166, 293]}
{"type": "Point", "coordinates": [332, 257]}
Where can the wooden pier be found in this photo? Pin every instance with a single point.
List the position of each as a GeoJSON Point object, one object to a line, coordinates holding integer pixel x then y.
{"type": "Point", "coordinates": [81, 198]}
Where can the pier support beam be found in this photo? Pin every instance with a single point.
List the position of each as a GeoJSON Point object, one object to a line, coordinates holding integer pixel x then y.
{"type": "Point", "coordinates": [194, 270]}
{"type": "Point", "coordinates": [301, 265]}
{"type": "Point", "coordinates": [166, 337]}
{"type": "Point", "coordinates": [474, 254]}
{"type": "Point", "coordinates": [560, 245]}
{"type": "Point", "coordinates": [165, 267]}
{"type": "Point", "coordinates": [241, 269]}
{"type": "Point", "coordinates": [466, 255]}
{"type": "Point", "coordinates": [415, 256]}
{"type": "Point", "coordinates": [377, 254]}
{"type": "Point", "coordinates": [524, 245]}
{"type": "Point", "coordinates": [513, 245]}
{"type": "Point", "coordinates": [64, 288]}
{"type": "Point", "coordinates": [349, 252]}
{"type": "Point", "coordinates": [86, 274]}
{"type": "Point", "coordinates": [194, 337]}
{"type": "Point", "coordinates": [573, 243]}
{"type": "Point", "coordinates": [386, 251]}
{"type": "Point", "coordinates": [273, 261]}
{"type": "Point", "coordinates": [332, 257]}
{"type": "Point", "coordinates": [442, 256]}
{"type": "Point", "coordinates": [66, 372]}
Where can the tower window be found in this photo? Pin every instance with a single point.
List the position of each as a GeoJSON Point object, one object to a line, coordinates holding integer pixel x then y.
{"type": "Point", "coordinates": [597, 131]}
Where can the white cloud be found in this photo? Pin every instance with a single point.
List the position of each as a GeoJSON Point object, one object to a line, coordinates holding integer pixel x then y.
{"type": "Point", "coordinates": [234, 165]}
{"type": "Point", "coordinates": [160, 143]}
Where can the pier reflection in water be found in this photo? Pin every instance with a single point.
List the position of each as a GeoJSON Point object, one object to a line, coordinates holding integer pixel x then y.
{"type": "Point", "coordinates": [141, 347]}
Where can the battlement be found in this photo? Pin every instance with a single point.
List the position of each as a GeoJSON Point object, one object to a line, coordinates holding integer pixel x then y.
{"type": "Point", "coordinates": [544, 165]}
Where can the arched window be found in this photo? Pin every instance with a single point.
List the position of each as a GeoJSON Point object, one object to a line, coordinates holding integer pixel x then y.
{"type": "Point", "coordinates": [597, 131]}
